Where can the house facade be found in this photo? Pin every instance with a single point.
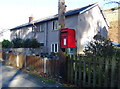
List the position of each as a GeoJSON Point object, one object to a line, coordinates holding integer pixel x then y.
{"type": "Point", "coordinates": [87, 22]}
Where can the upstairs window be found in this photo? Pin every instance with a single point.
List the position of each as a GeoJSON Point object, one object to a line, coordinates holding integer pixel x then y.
{"type": "Point", "coordinates": [34, 29]}
{"type": "Point", "coordinates": [42, 28]}
{"type": "Point", "coordinates": [55, 25]}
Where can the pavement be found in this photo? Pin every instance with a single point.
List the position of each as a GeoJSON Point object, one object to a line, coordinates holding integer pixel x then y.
{"type": "Point", "coordinates": [13, 77]}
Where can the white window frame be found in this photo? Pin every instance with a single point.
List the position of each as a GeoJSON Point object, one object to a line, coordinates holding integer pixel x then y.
{"type": "Point", "coordinates": [53, 49]}
{"type": "Point", "coordinates": [54, 25]}
{"type": "Point", "coordinates": [42, 43]}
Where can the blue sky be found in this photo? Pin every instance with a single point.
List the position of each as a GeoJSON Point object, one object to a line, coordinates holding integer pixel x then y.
{"type": "Point", "coordinates": [16, 12]}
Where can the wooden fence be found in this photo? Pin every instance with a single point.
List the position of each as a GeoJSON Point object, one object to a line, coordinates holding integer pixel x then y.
{"type": "Point", "coordinates": [51, 68]}
{"type": "Point", "coordinates": [94, 72]}
{"type": "Point", "coordinates": [36, 62]}
{"type": "Point", "coordinates": [82, 71]}
{"type": "Point", "coordinates": [77, 70]}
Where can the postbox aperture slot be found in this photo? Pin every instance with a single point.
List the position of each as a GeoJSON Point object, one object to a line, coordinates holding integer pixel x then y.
{"type": "Point", "coordinates": [64, 32]}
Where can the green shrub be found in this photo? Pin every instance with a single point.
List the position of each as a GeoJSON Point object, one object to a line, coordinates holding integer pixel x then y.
{"type": "Point", "coordinates": [99, 47]}
{"type": "Point", "coordinates": [28, 43]}
{"type": "Point", "coordinates": [31, 43]}
{"type": "Point", "coordinates": [117, 51]}
{"type": "Point", "coordinates": [17, 43]}
{"type": "Point", "coordinates": [6, 44]}
{"type": "Point", "coordinates": [34, 43]}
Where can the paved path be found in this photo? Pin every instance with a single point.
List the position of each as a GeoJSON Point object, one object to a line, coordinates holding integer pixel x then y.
{"type": "Point", "coordinates": [12, 77]}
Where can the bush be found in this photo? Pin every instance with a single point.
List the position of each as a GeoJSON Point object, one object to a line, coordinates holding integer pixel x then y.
{"type": "Point", "coordinates": [6, 44]}
{"type": "Point", "coordinates": [117, 51]}
{"type": "Point", "coordinates": [34, 43]}
{"type": "Point", "coordinates": [99, 47]}
{"type": "Point", "coordinates": [28, 43]}
{"type": "Point", "coordinates": [31, 43]}
{"type": "Point", "coordinates": [17, 43]}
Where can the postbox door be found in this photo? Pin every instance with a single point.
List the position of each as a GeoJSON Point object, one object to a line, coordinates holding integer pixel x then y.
{"type": "Point", "coordinates": [71, 38]}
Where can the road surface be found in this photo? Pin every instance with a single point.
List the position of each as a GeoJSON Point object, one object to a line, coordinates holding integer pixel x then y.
{"type": "Point", "coordinates": [12, 77]}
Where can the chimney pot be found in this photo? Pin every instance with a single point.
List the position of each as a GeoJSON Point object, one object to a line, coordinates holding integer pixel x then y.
{"type": "Point", "coordinates": [30, 19]}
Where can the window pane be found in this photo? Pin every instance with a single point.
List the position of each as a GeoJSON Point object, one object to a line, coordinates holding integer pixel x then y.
{"type": "Point", "coordinates": [56, 24]}
{"type": "Point", "coordinates": [53, 25]}
{"type": "Point", "coordinates": [52, 47]}
{"type": "Point", "coordinates": [56, 48]}
{"type": "Point", "coordinates": [41, 27]}
{"type": "Point", "coordinates": [41, 44]}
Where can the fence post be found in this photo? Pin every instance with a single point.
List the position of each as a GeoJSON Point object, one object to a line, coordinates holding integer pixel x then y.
{"type": "Point", "coordinates": [99, 72]}
{"type": "Point", "coordinates": [112, 72]}
{"type": "Point", "coordinates": [45, 65]}
{"type": "Point", "coordinates": [84, 72]}
{"type": "Point", "coordinates": [17, 60]}
{"type": "Point", "coordinates": [89, 73]}
{"type": "Point", "coordinates": [68, 74]}
{"type": "Point", "coordinates": [71, 68]}
{"type": "Point", "coordinates": [106, 72]}
{"type": "Point", "coordinates": [80, 72]}
{"type": "Point", "coordinates": [94, 73]}
{"type": "Point", "coordinates": [25, 61]}
{"type": "Point", "coordinates": [49, 67]}
{"type": "Point", "coordinates": [75, 59]}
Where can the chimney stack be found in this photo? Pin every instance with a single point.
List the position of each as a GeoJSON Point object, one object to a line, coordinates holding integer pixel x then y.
{"type": "Point", "coordinates": [31, 19]}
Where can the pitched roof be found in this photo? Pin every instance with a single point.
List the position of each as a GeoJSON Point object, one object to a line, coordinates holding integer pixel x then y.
{"type": "Point", "coordinates": [68, 13]}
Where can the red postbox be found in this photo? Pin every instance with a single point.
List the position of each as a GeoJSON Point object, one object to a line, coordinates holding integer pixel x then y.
{"type": "Point", "coordinates": [67, 38]}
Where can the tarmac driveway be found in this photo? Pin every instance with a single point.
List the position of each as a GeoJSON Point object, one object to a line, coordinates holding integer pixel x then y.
{"type": "Point", "coordinates": [12, 77]}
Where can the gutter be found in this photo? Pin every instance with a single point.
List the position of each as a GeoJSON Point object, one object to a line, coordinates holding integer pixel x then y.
{"type": "Point", "coordinates": [104, 16]}
{"type": "Point", "coordinates": [96, 4]}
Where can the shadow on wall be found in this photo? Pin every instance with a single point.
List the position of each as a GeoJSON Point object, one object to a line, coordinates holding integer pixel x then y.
{"type": "Point", "coordinates": [102, 30]}
{"type": "Point", "coordinates": [90, 25]}
{"type": "Point", "coordinates": [84, 27]}
{"type": "Point", "coordinates": [22, 33]}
